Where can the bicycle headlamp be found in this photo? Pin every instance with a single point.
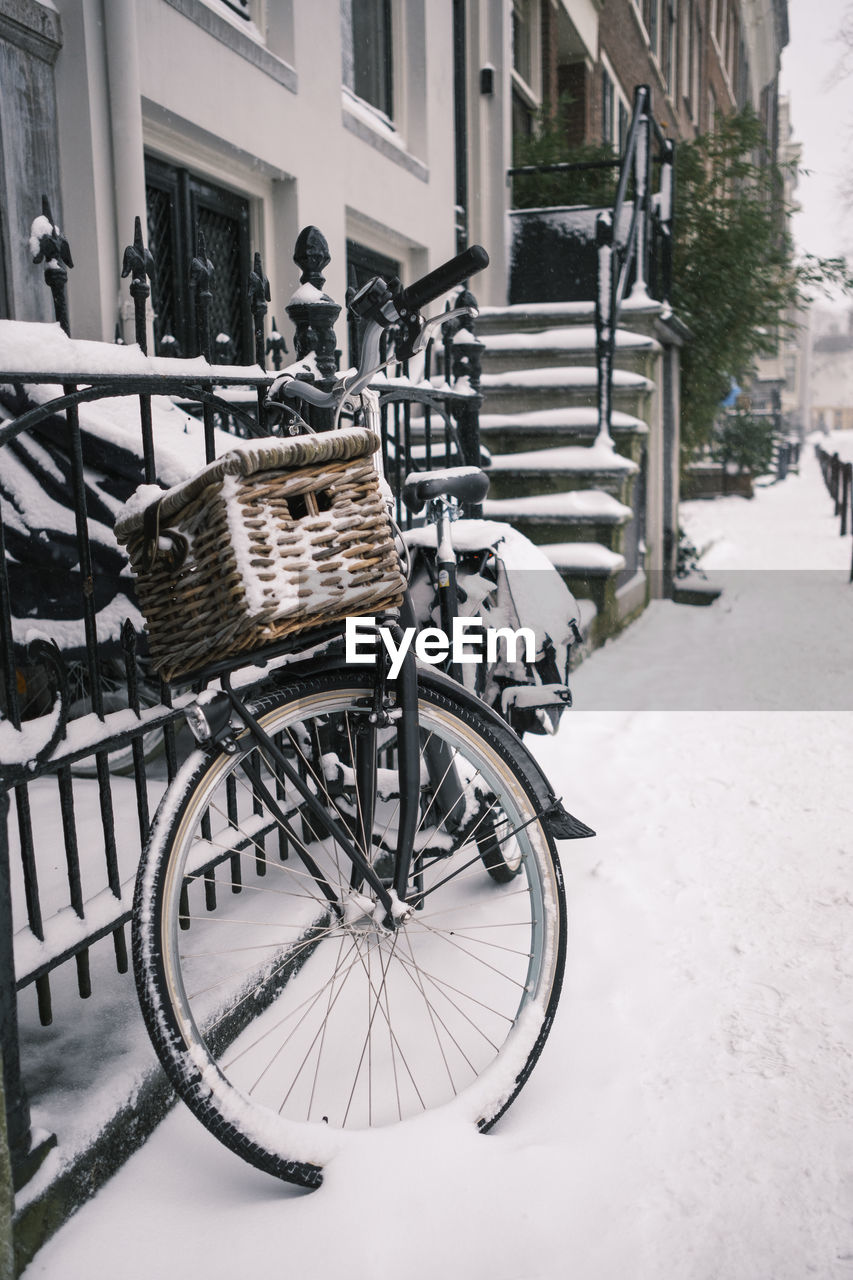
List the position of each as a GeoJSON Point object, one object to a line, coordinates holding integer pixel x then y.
{"type": "Point", "coordinates": [208, 720]}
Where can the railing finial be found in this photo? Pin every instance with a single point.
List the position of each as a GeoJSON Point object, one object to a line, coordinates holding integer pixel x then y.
{"type": "Point", "coordinates": [312, 311]}
{"type": "Point", "coordinates": [48, 245]}
{"type": "Point", "coordinates": [138, 263]}
{"type": "Point", "coordinates": [311, 253]}
{"type": "Point", "coordinates": [201, 278]}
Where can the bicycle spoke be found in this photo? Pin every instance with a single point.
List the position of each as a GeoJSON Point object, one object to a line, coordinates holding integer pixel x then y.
{"type": "Point", "coordinates": [313, 1009]}
{"type": "Point", "coordinates": [482, 942]}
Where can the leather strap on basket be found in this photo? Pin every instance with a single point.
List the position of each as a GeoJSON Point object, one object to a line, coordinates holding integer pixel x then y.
{"type": "Point", "coordinates": [152, 551]}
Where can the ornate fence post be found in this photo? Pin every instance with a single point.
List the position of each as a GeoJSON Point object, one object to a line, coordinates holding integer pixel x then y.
{"type": "Point", "coordinates": [847, 484]}
{"type": "Point", "coordinates": [138, 263]}
{"type": "Point", "coordinates": [201, 279]}
{"type": "Point", "coordinates": [276, 346]}
{"type": "Point", "coordinates": [314, 313]}
{"type": "Point", "coordinates": [642, 195]}
{"type": "Point", "coordinates": [48, 245]}
{"type": "Point", "coordinates": [667, 207]}
{"type": "Point", "coordinates": [466, 362]}
{"type": "Point", "coordinates": [259, 295]}
{"type": "Point", "coordinates": [202, 275]}
{"type": "Point", "coordinates": [604, 337]}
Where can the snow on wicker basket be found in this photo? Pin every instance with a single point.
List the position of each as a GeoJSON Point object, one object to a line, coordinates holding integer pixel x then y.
{"type": "Point", "coordinates": [268, 540]}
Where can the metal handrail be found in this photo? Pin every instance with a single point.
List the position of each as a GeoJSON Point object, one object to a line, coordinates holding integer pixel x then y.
{"type": "Point", "coordinates": [615, 263]}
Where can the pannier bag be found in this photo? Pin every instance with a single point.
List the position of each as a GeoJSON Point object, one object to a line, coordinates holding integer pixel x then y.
{"type": "Point", "coordinates": [506, 581]}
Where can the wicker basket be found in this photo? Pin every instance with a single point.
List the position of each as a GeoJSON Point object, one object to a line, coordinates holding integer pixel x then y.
{"type": "Point", "coordinates": [265, 542]}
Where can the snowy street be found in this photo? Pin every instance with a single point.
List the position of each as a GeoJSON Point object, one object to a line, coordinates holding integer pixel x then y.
{"type": "Point", "coordinates": [692, 1115]}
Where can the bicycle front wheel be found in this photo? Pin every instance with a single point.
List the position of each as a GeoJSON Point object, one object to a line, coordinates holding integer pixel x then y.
{"type": "Point", "coordinates": [283, 1010]}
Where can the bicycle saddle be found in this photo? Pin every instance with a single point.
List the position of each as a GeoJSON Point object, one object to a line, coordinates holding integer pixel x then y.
{"type": "Point", "coordinates": [468, 484]}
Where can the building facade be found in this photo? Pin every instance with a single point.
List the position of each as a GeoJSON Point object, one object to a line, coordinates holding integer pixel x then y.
{"type": "Point", "coordinates": [388, 123]}
{"type": "Point", "coordinates": [249, 120]}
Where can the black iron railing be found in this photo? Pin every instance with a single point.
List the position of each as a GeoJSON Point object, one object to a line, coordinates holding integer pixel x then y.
{"type": "Point", "coordinates": [632, 239]}
{"type": "Point", "coordinates": [75, 716]}
{"type": "Point", "coordinates": [838, 478]}
{"type": "Point", "coordinates": [629, 261]}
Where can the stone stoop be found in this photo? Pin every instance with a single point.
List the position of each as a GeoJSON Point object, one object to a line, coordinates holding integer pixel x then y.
{"type": "Point", "coordinates": [549, 478]}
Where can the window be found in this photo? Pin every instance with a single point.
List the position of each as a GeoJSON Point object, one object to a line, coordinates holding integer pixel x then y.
{"type": "Point", "coordinates": [696, 38]}
{"type": "Point", "coordinates": [178, 205]}
{"type": "Point", "coordinates": [241, 7]}
{"type": "Point", "coordinates": [624, 122]}
{"type": "Point", "coordinates": [686, 27]}
{"type": "Point", "coordinates": [607, 97]}
{"type": "Point", "coordinates": [669, 51]}
{"type": "Point", "coordinates": [615, 115]}
{"type": "Point", "coordinates": [362, 265]}
{"type": "Point", "coordinates": [522, 40]}
{"type": "Point", "coordinates": [367, 52]}
{"type": "Point", "coordinates": [651, 18]}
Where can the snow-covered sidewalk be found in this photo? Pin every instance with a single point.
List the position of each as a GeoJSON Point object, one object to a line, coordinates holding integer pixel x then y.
{"type": "Point", "coordinates": [691, 1117]}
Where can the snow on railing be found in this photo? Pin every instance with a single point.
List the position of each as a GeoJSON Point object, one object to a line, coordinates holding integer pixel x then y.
{"type": "Point", "coordinates": [82, 425]}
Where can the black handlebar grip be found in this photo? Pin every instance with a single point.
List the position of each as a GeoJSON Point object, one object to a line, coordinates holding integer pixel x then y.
{"type": "Point", "coordinates": [445, 277]}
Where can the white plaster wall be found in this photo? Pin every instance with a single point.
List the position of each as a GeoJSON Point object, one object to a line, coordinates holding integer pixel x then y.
{"type": "Point", "coordinates": [85, 159]}
{"type": "Point", "coordinates": [205, 106]}
{"type": "Point", "coordinates": [490, 143]}
{"type": "Point", "coordinates": [584, 17]}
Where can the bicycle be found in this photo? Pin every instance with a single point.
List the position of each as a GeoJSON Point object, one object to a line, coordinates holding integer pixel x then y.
{"type": "Point", "coordinates": [403, 944]}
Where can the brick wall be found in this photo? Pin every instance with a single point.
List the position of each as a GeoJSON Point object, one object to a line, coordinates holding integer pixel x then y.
{"type": "Point", "coordinates": [624, 41]}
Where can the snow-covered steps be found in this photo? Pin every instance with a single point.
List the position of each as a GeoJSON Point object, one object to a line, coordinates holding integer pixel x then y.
{"type": "Point", "coordinates": [584, 559]}
{"type": "Point", "coordinates": [571, 386]}
{"type": "Point", "coordinates": [530, 317]}
{"type": "Point", "coordinates": [550, 428]}
{"type": "Point", "coordinates": [592, 573]}
{"type": "Point", "coordinates": [557, 470]}
{"type": "Point", "coordinates": [590, 514]}
{"type": "Point", "coordinates": [565, 346]}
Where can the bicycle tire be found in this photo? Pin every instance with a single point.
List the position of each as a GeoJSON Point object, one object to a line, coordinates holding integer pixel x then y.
{"type": "Point", "coordinates": [489, 992]}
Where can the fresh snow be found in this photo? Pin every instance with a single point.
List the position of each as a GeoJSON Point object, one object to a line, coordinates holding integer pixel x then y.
{"type": "Point", "coordinates": [577, 338]}
{"type": "Point", "coordinates": [577, 504]}
{"type": "Point", "coordinates": [581, 376]}
{"type": "Point", "coordinates": [569, 457]}
{"type": "Point", "coordinates": [579, 418]}
{"type": "Point", "coordinates": [690, 1118]}
{"type": "Point", "coordinates": [584, 557]}
{"type": "Point", "coordinates": [39, 348]}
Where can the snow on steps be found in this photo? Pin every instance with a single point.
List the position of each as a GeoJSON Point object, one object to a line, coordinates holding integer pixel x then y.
{"type": "Point", "coordinates": [590, 571]}
{"type": "Point", "coordinates": [529, 317]}
{"type": "Point", "coordinates": [561, 387]}
{"type": "Point", "coordinates": [563, 468]}
{"type": "Point", "coordinates": [504, 433]}
{"type": "Point", "coordinates": [584, 559]}
{"type": "Point", "coordinates": [592, 514]}
{"type": "Point", "coordinates": [568, 346]}
{"type": "Point", "coordinates": [550, 478]}
{"type": "Point", "coordinates": [581, 505]}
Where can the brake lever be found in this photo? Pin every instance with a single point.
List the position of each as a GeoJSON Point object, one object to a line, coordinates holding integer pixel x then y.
{"type": "Point", "coordinates": [429, 326]}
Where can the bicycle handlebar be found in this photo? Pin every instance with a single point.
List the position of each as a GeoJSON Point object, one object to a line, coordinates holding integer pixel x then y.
{"type": "Point", "coordinates": [410, 300]}
{"type": "Point", "coordinates": [445, 277]}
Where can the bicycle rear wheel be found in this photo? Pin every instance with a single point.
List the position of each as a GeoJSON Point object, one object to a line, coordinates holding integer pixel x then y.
{"type": "Point", "coordinates": [286, 1015]}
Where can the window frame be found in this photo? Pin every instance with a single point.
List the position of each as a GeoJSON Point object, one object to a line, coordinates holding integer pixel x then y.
{"type": "Point", "coordinates": [388, 108]}
{"type": "Point", "coordinates": [188, 192]}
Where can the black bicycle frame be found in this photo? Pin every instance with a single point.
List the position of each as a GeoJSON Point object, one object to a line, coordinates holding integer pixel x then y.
{"type": "Point", "coordinates": [408, 751]}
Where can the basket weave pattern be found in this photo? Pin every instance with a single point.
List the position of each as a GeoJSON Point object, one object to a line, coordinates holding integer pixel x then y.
{"type": "Point", "coordinates": [271, 550]}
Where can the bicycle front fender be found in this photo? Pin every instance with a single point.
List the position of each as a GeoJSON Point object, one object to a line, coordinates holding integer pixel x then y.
{"type": "Point", "coordinates": [561, 824]}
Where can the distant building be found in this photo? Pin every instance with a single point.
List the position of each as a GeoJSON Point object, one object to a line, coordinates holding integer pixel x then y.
{"type": "Point", "coordinates": [831, 377]}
